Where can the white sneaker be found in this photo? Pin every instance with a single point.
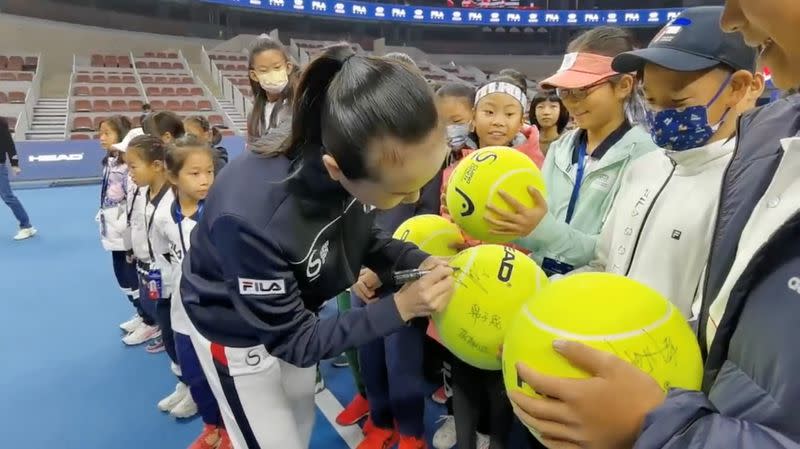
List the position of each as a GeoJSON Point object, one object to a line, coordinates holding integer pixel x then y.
{"type": "Point", "coordinates": [445, 436]}
{"type": "Point", "coordinates": [131, 325]}
{"type": "Point", "coordinates": [483, 441]}
{"type": "Point", "coordinates": [141, 334]}
{"type": "Point", "coordinates": [169, 402]}
{"type": "Point", "coordinates": [186, 408]}
{"type": "Point", "coordinates": [25, 233]}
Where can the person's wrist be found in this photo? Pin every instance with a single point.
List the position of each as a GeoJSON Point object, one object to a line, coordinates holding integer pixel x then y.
{"type": "Point", "coordinates": [400, 301]}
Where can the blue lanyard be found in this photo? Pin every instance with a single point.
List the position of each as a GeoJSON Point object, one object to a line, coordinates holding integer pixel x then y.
{"type": "Point", "coordinates": [573, 200]}
{"type": "Point", "coordinates": [199, 214]}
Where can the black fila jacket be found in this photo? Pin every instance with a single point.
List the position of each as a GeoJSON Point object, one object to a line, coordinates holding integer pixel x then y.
{"type": "Point", "coordinates": [269, 251]}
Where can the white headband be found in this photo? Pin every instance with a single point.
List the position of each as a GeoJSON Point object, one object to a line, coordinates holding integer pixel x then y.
{"type": "Point", "coordinates": [503, 88]}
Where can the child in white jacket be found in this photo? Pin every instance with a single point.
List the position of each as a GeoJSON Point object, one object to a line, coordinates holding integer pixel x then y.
{"type": "Point", "coordinates": [696, 81]}
{"type": "Point", "coordinates": [116, 197]}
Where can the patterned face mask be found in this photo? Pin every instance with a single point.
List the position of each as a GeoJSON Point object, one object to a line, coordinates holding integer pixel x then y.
{"type": "Point", "coordinates": [687, 128]}
{"type": "Point", "coordinates": [457, 136]}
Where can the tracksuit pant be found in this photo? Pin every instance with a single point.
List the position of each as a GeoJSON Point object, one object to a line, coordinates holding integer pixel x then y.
{"type": "Point", "coordinates": [265, 402]}
{"type": "Point", "coordinates": [344, 303]}
{"type": "Point", "coordinates": [392, 371]}
{"type": "Point", "coordinates": [479, 398]}
{"type": "Point", "coordinates": [128, 281]}
{"type": "Point", "coordinates": [193, 376]}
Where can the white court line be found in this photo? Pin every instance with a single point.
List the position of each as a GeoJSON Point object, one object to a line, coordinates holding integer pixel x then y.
{"type": "Point", "coordinates": [330, 407]}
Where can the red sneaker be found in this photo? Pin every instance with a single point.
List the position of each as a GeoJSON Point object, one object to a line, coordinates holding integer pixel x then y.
{"type": "Point", "coordinates": [208, 439]}
{"type": "Point", "coordinates": [440, 395]}
{"type": "Point", "coordinates": [367, 426]}
{"type": "Point", "coordinates": [378, 438]}
{"type": "Point", "coordinates": [355, 410]}
{"type": "Point", "coordinates": [411, 443]}
{"type": "Point", "coordinates": [224, 439]}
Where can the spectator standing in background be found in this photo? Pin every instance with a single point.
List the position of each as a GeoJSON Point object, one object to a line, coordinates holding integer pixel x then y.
{"type": "Point", "coordinates": [548, 114]}
{"type": "Point", "coordinates": [273, 76]}
{"type": "Point", "coordinates": [7, 148]}
{"type": "Point", "coordinates": [198, 126]}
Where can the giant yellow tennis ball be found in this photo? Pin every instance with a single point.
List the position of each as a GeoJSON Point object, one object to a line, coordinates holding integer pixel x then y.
{"type": "Point", "coordinates": [433, 234]}
{"type": "Point", "coordinates": [492, 282]}
{"type": "Point", "coordinates": [476, 180]}
{"type": "Point", "coordinates": [608, 312]}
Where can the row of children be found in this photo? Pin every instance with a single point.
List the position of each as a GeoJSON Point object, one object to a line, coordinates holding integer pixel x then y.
{"type": "Point", "coordinates": [155, 180]}
{"type": "Point", "coordinates": [632, 191]}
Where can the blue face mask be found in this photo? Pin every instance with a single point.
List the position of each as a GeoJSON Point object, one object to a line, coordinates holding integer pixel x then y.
{"type": "Point", "coordinates": [457, 136]}
{"type": "Point", "coordinates": [684, 129]}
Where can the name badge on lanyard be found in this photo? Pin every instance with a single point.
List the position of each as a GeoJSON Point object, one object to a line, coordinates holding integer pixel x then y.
{"type": "Point", "coordinates": [154, 285]}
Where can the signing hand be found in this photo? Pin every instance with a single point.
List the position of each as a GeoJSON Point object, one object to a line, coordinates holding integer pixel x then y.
{"type": "Point", "coordinates": [366, 285]}
{"type": "Point", "coordinates": [16, 170]}
{"type": "Point", "coordinates": [522, 221]}
{"type": "Point", "coordinates": [605, 411]}
{"type": "Point", "coordinates": [431, 293]}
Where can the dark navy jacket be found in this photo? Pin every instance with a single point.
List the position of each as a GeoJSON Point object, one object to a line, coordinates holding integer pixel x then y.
{"type": "Point", "coordinates": [270, 249]}
{"type": "Point", "coordinates": [751, 385]}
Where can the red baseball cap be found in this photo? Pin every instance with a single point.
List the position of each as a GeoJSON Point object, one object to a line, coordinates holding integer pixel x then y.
{"type": "Point", "coordinates": [580, 70]}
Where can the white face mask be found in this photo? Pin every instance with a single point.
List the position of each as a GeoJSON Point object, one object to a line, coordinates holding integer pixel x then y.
{"type": "Point", "coordinates": [273, 82]}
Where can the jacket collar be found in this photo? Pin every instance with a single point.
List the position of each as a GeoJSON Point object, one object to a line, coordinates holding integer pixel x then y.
{"type": "Point", "coordinates": [604, 146]}
{"type": "Point", "coordinates": [177, 215]}
{"type": "Point", "coordinates": [695, 160]}
{"type": "Point", "coordinates": [618, 152]}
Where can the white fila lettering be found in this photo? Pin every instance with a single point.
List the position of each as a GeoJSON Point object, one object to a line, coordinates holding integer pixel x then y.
{"type": "Point", "coordinates": [56, 157]}
{"type": "Point", "coordinates": [260, 287]}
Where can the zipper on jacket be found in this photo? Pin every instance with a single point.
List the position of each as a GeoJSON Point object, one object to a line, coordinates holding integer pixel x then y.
{"type": "Point", "coordinates": [647, 214]}
{"type": "Point", "coordinates": [702, 317]}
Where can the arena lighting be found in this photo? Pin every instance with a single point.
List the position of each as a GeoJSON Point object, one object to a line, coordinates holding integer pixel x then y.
{"type": "Point", "coordinates": [382, 12]}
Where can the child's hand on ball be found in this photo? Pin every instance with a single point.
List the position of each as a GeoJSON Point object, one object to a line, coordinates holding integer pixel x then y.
{"type": "Point", "coordinates": [522, 221]}
{"type": "Point", "coordinates": [368, 282]}
{"type": "Point", "coordinates": [605, 411]}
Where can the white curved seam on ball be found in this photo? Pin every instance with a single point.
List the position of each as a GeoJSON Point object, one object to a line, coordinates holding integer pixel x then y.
{"type": "Point", "coordinates": [467, 266]}
{"type": "Point", "coordinates": [613, 337]}
{"type": "Point", "coordinates": [495, 186]}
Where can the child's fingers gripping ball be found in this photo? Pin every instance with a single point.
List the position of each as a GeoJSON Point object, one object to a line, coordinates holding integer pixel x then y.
{"type": "Point", "coordinates": [476, 182]}
{"type": "Point", "coordinates": [433, 234]}
{"type": "Point", "coordinates": [607, 312]}
{"type": "Point", "coordinates": [492, 282]}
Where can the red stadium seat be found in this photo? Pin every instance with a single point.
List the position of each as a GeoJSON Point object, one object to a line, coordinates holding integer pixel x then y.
{"type": "Point", "coordinates": [183, 92]}
{"type": "Point", "coordinates": [119, 106]}
{"type": "Point", "coordinates": [161, 55]}
{"type": "Point", "coordinates": [197, 91]}
{"type": "Point", "coordinates": [31, 61]}
{"type": "Point", "coordinates": [82, 79]}
{"type": "Point", "coordinates": [3, 61]}
{"type": "Point", "coordinates": [167, 91]}
{"type": "Point", "coordinates": [140, 65]}
{"type": "Point", "coordinates": [230, 67]}
{"type": "Point", "coordinates": [110, 61]}
{"type": "Point", "coordinates": [14, 65]}
{"type": "Point", "coordinates": [98, 121]}
{"type": "Point", "coordinates": [165, 65]}
{"type": "Point", "coordinates": [173, 105]}
{"type": "Point", "coordinates": [187, 80]}
{"type": "Point", "coordinates": [25, 76]}
{"type": "Point", "coordinates": [188, 105]}
{"type": "Point", "coordinates": [82, 124]}
{"type": "Point", "coordinates": [216, 120]}
{"type": "Point", "coordinates": [152, 65]}
{"type": "Point", "coordinates": [131, 92]}
{"type": "Point", "coordinates": [97, 61]}
{"type": "Point", "coordinates": [114, 79]}
{"type": "Point", "coordinates": [83, 106]}
{"type": "Point", "coordinates": [149, 54]}
{"type": "Point", "coordinates": [79, 136]}
{"type": "Point", "coordinates": [177, 65]}
{"type": "Point", "coordinates": [174, 80]}
{"type": "Point", "coordinates": [153, 91]}
{"type": "Point", "coordinates": [147, 79]}
{"type": "Point", "coordinates": [128, 79]}
{"type": "Point", "coordinates": [227, 132]}
{"type": "Point", "coordinates": [6, 76]}
{"type": "Point", "coordinates": [124, 61]}
{"type": "Point", "coordinates": [135, 105]}
{"type": "Point", "coordinates": [204, 105]}
{"type": "Point", "coordinates": [101, 106]}
{"type": "Point", "coordinates": [161, 80]}
{"type": "Point", "coordinates": [81, 91]}
{"type": "Point", "coordinates": [157, 105]}
{"type": "Point", "coordinates": [172, 56]}
{"type": "Point", "coordinates": [115, 91]}
{"type": "Point", "coordinates": [98, 78]}
{"type": "Point", "coordinates": [98, 91]}
{"type": "Point", "coordinates": [16, 97]}
{"type": "Point", "coordinates": [3, 97]}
